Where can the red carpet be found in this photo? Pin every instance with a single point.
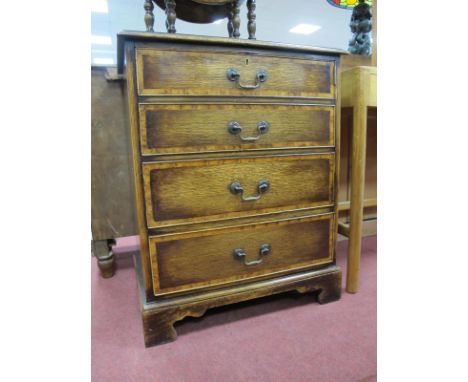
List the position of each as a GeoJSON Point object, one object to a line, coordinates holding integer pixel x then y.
{"type": "Point", "coordinates": [280, 338]}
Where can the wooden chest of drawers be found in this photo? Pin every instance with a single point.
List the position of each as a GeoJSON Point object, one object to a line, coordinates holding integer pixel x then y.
{"type": "Point", "coordinates": [234, 154]}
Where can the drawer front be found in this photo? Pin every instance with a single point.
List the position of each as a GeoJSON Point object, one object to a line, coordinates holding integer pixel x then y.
{"type": "Point", "coordinates": [206, 73]}
{"type": "Point", "coordinates": [196, 260]}
{"type": "Point", "coordinates": [203, 190]}
{"type": "Point", "coordinates": [193, 128]}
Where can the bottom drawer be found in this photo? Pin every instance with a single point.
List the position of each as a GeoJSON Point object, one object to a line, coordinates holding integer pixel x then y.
{"type": "Point", "coordinates": [188, 261]}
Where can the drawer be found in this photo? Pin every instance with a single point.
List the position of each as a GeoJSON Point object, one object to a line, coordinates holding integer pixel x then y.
{"type": "Point", "coordinates": [201, 190]}
{"type": "Point", "coordinates": [166, 129]}
{"type": "Point", "coordinates": [207, 73]}
{"type": "Point", "coordinates": [195, 260]}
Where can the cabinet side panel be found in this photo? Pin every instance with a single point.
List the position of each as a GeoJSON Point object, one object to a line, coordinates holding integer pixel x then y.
{"type": "Point", "coordinates": [337, 79]}
{"type": "Point", "coordinates": [139, 203]}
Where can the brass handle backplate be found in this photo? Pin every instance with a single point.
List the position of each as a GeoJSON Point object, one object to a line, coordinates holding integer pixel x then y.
{"type": "Point", "coordinates": [234, 75]}
{"type": "Point", "coordinates": [237, 189]}
{"type": "Point", "coordinates": [264, 250]}
{"type": "Point", "coordinates": [235, 128]}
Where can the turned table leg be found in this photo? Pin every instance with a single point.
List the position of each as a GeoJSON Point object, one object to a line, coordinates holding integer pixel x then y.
{"type": "Point", "coordinates": [230, 16]}
{"type": "Point", "coordinates": [358, 170]}
{"type": "Point", "coordinates": [170, 16]}
{"type": "Point", "coordinates": [235, 18]}
{"type": "Point", "coordinates": [251, 26]}
{"type": "Point", "coordinates": [149, 16]}
{"type": "Point", "coordinates": [102, 250]}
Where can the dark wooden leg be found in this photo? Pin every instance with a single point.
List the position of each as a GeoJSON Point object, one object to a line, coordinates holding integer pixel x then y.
{"type": "Point", "coordinates": [170, 16]}
{"type": "Point", "coordinates": [331, 289]}
{"type": "Point", "coordinates": [229, 24]}
{"type": "Point", "coordinates": [102, 250]}
{"type": "Point", "coordinates": [252, 26]}
{"type": "Point", "coordinates": [235, 19]}
{"type": "Point", "coordinates": [158, 325]}
{"type": "Point", "coordinates": [149, 16]}
{"type": "Point", "coordinates": [159, 328]}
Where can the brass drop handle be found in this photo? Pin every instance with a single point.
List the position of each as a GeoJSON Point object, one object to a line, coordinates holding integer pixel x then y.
{"type": "Point", "coordinates": [235, 128]}
{"type": "Point", "coordinates": [237, 189]}
{"type": "Point", "coordinates": [234, 75]}
{"type": "Point", "coordinates": [240, 254]}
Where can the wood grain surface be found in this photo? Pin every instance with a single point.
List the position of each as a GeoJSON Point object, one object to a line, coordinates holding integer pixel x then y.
{"type": "Point", "coordinates": [137, 178]}
{"type": "Point", "coordinates": [181, 103]}
{"type": "Point", "coordinates": [190, 261]}
{"type": "Point", "coordinates": [111, 166]}
{"type": "Point", "coordinates": [191, 191]}
{"type": "Point", "coordinates": [211, 41]}
{"type": "Point", "coordinates": [178, 72]}
{"type": "Point", "coordinates": [193, 128]}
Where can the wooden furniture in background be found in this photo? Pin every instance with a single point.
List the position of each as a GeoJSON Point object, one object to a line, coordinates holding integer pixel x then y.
{"type": "Point", "coordinates": [112, 215]}
{"type": "Point", "coordinates": [203, 12]}
{"type": "Point", "coordinates": [236, 191]}
{"type": "Point", "coordinates": [359, 92]}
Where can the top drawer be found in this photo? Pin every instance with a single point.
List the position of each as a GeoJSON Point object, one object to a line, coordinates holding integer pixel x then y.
{"type": "Point", "coordinates": [203, 73]}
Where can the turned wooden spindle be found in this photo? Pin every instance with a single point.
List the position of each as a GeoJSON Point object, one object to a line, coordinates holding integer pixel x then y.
{"type": "Point", "coordinates": [170, 16]}
{"type": "Point", "coordinates": [236, 19]}
{"type": "Point", "coordinates": [229, 24]}
{"type": "Point", "coordinates": [149, 16]}
{"type": "Point", "coordinates": [251, 26]}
